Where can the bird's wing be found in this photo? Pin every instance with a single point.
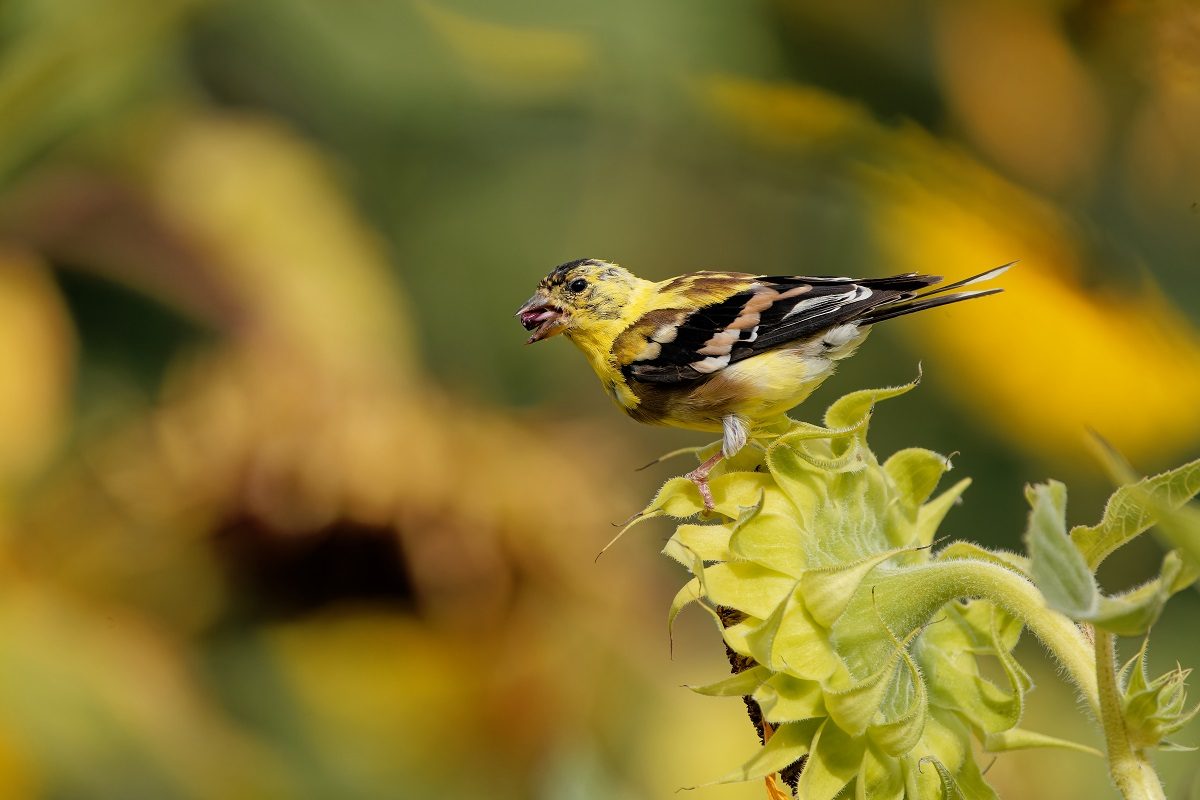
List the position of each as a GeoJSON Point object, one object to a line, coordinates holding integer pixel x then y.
{"type": "Point", "coordinates": [717, 319]}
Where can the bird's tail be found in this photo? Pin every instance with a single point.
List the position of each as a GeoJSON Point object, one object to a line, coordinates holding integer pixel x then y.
{"type": "Point", "coordinates": [935, 297]}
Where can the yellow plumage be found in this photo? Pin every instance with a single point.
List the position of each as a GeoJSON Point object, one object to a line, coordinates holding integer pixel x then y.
{"type": "Point", "coordinates": [718, 351]}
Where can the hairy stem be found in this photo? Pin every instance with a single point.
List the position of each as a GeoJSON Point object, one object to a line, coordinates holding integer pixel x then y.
{"type": "Point", "coordinates": [919, 592]}
{"type": "Point", "coordinates": [1130, 769]}
{"type": "Point", "coordinates": [1057, 632]}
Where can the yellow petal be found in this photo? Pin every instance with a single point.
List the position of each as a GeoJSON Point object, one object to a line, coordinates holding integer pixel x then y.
{"type": "Point", "coordinates": [1018, 89]}
{"type": "Point", "coordinates": [285, 239]}
{"type": "Point", "coordinates": [37, 350]}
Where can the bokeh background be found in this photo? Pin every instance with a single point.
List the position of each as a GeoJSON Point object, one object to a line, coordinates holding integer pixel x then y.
{"type": "Point", "coordinates": [288, 511]}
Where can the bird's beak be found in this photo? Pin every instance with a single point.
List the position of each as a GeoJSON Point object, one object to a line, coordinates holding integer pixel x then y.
{"type": "Point", "coordinates": [542, 317]}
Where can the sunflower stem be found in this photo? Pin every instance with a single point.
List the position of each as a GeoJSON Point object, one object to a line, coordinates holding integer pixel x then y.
{"type": "Point", "coordinates": [1061, 636]}
{"type": "Point", "coordinates": [1129, 767]}
{"type": "Point", "coordinates": [968, 577]}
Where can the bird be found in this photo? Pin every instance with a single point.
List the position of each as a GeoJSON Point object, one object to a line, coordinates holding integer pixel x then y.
{"type": "Point", "coordinates": [722, 352]}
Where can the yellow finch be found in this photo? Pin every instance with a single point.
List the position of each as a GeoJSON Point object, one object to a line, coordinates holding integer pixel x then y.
{"type": "Point", "coordinates": [728, 352]}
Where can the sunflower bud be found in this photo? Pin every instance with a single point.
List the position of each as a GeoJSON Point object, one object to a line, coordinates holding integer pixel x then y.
{"type": "Point", "coordinates": [859, 661]}
{"type": "Point", "coordinates": [1154, 709]}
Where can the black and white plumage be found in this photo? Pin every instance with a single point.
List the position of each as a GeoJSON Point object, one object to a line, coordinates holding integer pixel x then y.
{"type": "Point", "coordinates": [773, 311]}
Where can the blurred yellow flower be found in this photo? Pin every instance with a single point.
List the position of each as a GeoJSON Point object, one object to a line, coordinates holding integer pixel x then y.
{"type": "Point", "coordinates": [282, 236]}
{"type": "Point", "coordinates": [1051, 356]}
{"type": "Point", "coordinates": [37, 350]}
{"type": "Point", "coordinates": [387, 566]}
{"type": "Point", "coordinates": [1023, 96]}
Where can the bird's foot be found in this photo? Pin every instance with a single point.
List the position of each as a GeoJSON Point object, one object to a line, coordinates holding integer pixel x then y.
{"type": "Point", "coordinates": [702, 485]}
{"type": "Point", "coordinates": [699, 476]}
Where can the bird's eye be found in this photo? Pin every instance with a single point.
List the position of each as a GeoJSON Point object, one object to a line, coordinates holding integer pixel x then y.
{"type": "Point", "coordinates": [577, 285]}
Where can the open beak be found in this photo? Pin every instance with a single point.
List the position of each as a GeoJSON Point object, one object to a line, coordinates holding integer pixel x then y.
{"type": "Point", "coordinates": [542, 317]}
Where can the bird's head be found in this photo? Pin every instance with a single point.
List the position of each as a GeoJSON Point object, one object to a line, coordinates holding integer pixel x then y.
{"type": "Point", "coordinates": [575, 296]}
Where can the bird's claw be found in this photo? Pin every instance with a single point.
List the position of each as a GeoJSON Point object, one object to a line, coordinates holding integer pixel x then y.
{"type": "Point", "coordinates": [699, 476]}
{"type": "Point", "coordinates": [701, 481]}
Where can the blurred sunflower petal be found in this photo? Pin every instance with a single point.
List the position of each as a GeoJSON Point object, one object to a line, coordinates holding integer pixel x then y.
{"type": "Point", "coordinates": [1024, 97]}
{"type": "Point", "coordinates": [285, 238]}
{"type": "Point", "coordinates": [37, 349]}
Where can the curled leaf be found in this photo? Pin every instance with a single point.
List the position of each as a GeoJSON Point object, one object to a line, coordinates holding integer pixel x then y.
{"type": "Point", "coordinates": [1057, 567]}
{"type": "Point", "coordinates": [1132, 509]}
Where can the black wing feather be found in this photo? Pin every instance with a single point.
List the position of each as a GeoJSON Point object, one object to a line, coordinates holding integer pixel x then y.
{"type": "Point", "coordinates": [825, 303]}
{"type": "Point", "coordinates": [811, 322]}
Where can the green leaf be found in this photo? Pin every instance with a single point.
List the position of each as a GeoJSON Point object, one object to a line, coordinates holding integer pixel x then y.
{"type": "Point", "coordinates": [854, 408]}
{"type": "Point", "coordinates": [735, 685]}
{"type": "Point", "coordinates": [1181, 528]}
{"type": "Point", "coordinates": [946, 747]}
{"type": "Point", "coordinates": [915, 473]}
{"type": "Point", "coordinates": [741, 637]}
{"type": "Point", "coordinates": [834, 761]}
{"type": "Point", "coordinates": [946, 739]}
{"type": "Point", "coordinates": [709, 542]}
{"type": "Point", "coordinates": [990, 628]}
{"type": "Point", "coordinates": [855, 459]}
{"type": "Point", "coordinates": [1013, 561]}
{"type": "Point", "coordinates": [747, 587]}
{"type": "Point", "coordinates": [971, 784]}
{"type": "Point", "coordinates": [855, 707]}
{"type": "Point", "coordinates": [912, 475]}
{"type": "Point", "coordinates": [785, 698]}
{"type": "Point", "coordinates": [639, 518]}
{"type": "Point", "coordinates": [879, 778]}
{"type": "Point", "coordinates": [1057, 567]}
{"type": "Point", "coordinates": [950, 651]}
{"type": "Point", "coordinates": [788, 743]}
{"type": "Point", "coordinates": [901, 734]}
{"type": "Point", "coordinates": [1174, 747]}
{"type": "Point", "coordinates": [677, 498]}
{"type": "Point", "coordinates": [824, 450]}
{"type": "Point", "coordinates": [1134, 612]}
{"type": "Point", "coordinates": [800, 431]}
{"type": "Point", "coordinates": [734, 492]}
{"type": "Point", "coordinates": [788, 641]}
{"type": "Point", "coordinates": [799, 480]}
{"type": "Point", "coordinates": [690, 593]}
{"type": "Point", "coordinates": [896, 599]}
{"type": "Point", "coordinates": [1019, 681]}
{"type": "Point", "coordinates": [1154, 709]}
{"type": "Point", "coordinates": [827, 592]}
{"type": "Point", "coordinates": [772, 538]}
{"type": "Point", "coordinates": [850, 524]}
{"type": "Point", "coordinates": [930, 517]}
{"type": "Point", "coordinates": [1134, 508]}
{"type": "Point", "coordinates": [1021, 739]}
{"type": "Point", "coordinates": [950, 788]}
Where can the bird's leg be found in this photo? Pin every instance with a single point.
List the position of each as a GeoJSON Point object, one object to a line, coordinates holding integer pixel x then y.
{"type": "Point", "coordinates": [699, 476]}
{"type": "Point", "coordinates": [735, 433]}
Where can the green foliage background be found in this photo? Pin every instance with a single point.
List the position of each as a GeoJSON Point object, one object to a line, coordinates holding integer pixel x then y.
{"type": "Point", "coordinates": [286, 508]}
